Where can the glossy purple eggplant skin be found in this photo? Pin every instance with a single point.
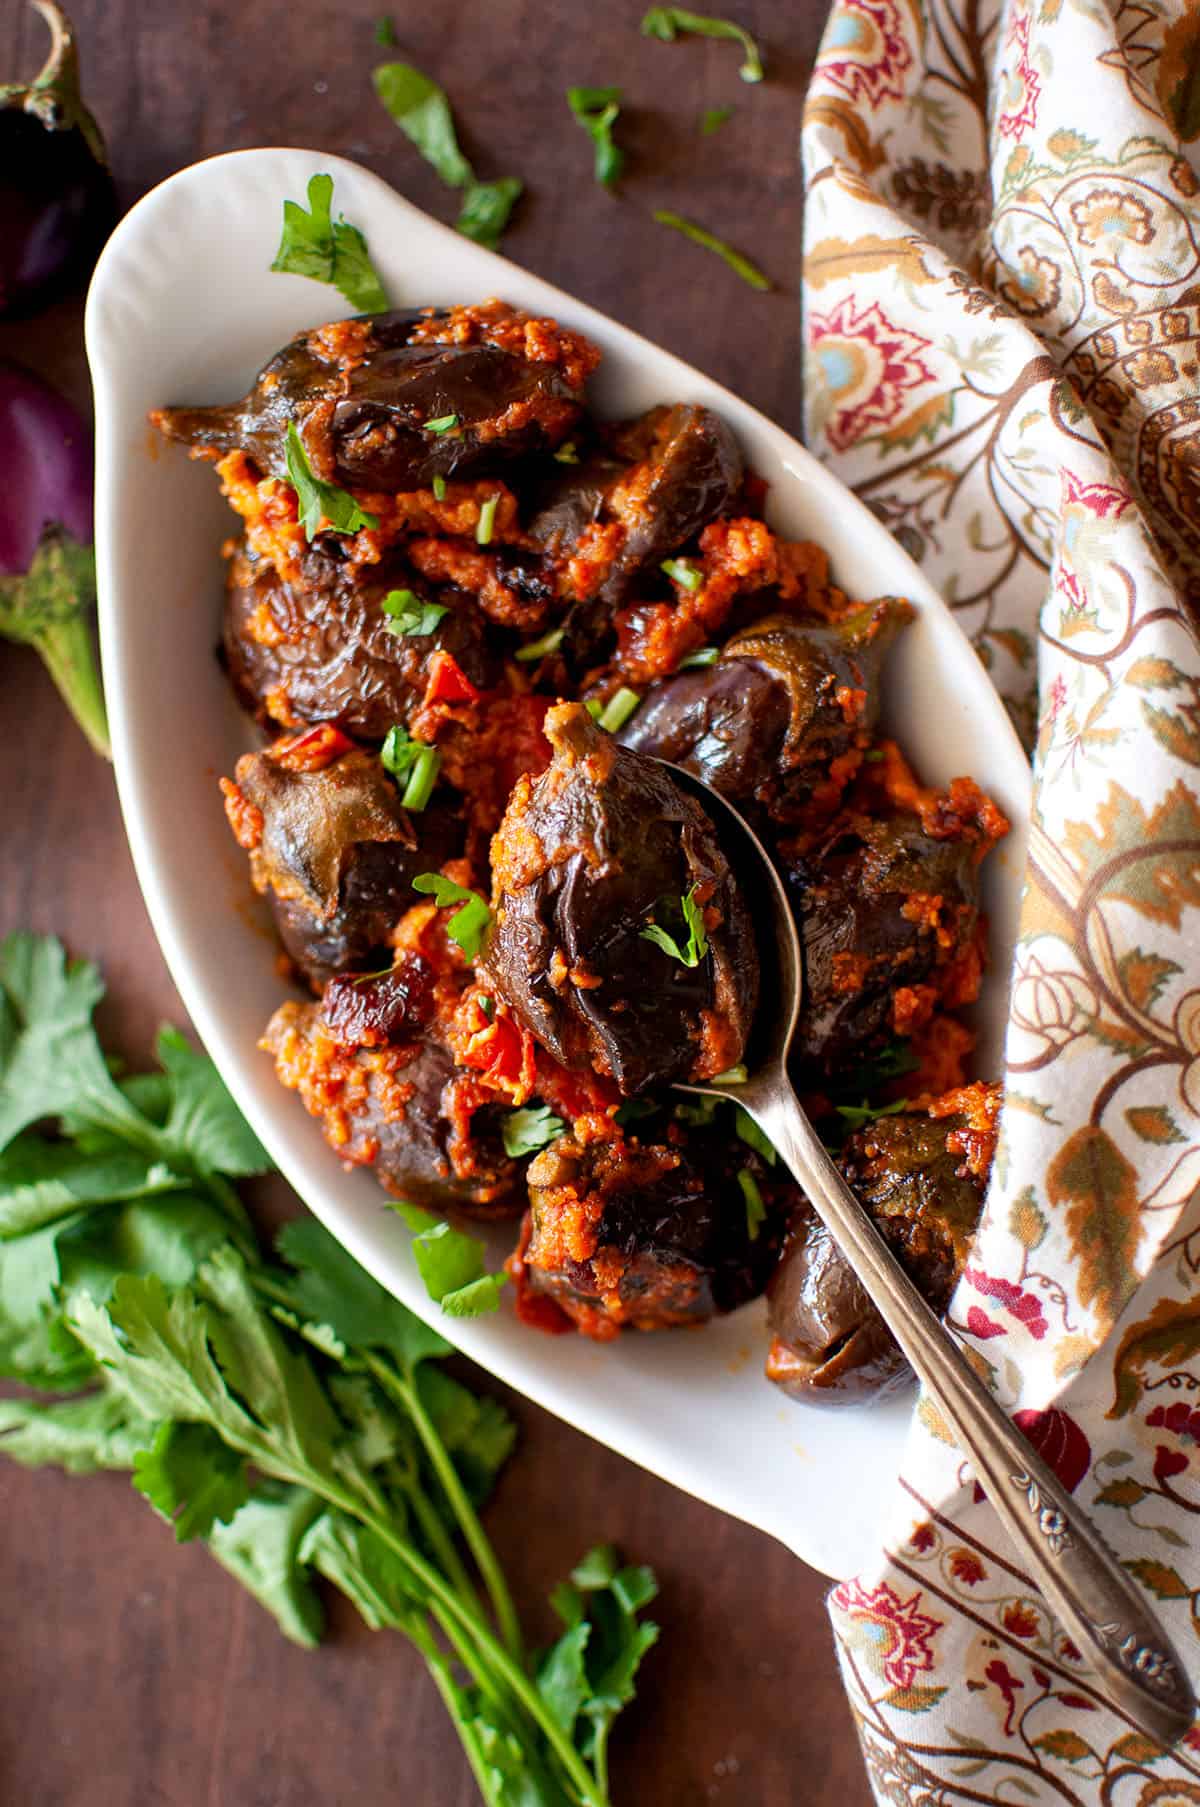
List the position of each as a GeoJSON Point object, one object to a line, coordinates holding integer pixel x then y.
{"type": "Point", "coordinates": [661, 478]}
{"type": "Point", "coordinates": [57, 201]}
{"type": "Point", "coordinates": [46, 458]}
{"type": "Point", "coordinates": [328, 654]}
{"type": "Point", "coordinates": [671, 1225]}
{"type": "Point", "coordinates": [764, 724]}
{"type": "Point", "coordinates": [832, 1347]}
{"type": "Point", "coordinates": [585, 858]}
{"type": "Point", "coordinates": [364, 426]}
{"type": "Point", "coordinates": [338, 856]}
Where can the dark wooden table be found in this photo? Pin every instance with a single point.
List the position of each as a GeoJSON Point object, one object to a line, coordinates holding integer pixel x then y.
{"type": "Point", "coordinates": [134, 1673]}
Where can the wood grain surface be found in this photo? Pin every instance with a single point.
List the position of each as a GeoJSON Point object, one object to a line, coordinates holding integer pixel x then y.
{"type": "Point", "coordinates": [135, 1673]}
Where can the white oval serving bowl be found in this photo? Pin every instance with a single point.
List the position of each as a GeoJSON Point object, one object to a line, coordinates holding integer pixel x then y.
{"type": "Point", "coordinates": [184, 307]}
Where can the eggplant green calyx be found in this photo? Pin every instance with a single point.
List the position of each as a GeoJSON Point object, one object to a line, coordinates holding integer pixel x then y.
{"type": "Point", "coordinates": [54, 97]}
{"type": "Point", "coordinates": [49, 608]}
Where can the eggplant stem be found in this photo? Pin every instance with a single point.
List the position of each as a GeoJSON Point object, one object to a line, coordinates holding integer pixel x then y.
{"type": "Point", "coordinates": [61, 68]}
{"type": "Point", "coordinates": [67, 652]}
{"type": "Point", "coordinates": [49, 608]}
{"type": "Point", "coordinates": [54, 96]}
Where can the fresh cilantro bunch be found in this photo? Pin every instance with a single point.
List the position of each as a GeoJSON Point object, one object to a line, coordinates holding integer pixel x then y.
{"type": "Point", "coordinates": [289, 1412]}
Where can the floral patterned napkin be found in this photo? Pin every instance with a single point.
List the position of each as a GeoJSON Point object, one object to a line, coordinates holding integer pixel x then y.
{"type": "Point", "coordinates": [1002, 297]}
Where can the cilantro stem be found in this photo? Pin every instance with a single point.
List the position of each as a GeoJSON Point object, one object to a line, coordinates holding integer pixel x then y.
{"type": "Point", "coordinates": [474, 1535]}
{"type": "Point", "coordinates": [448, 1688]}
{"type": "Point", "coordinates": [439, 1538]}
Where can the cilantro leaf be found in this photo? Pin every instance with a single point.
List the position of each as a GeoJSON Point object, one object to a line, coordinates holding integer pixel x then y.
{"type": "Point", "coordinates": [330, 1287]}
{"type": "Point", "coordinates": [204, 1123]}
{"type": "Point", "coordinates": [323, 507]}
{"type": "Point", "coordinates": [467, 926]}
{"type": "Point", "coordinates": [260, 1547]}
{"type": "Point", "coordinates": [523, 1131]}
{"type": "Point", "coordinates": [596, 110]}
{"type": "Point", "coordinates": [486, 208]}
{"type": "Point", "coordinates": [589, 1674]}
{"type": "Point", "coordinates": [36, 1346]}
{"type": "Point", "coordinates": [713, 118]}
{"type": "Point", "coordinates": [191, 1478]}
{"type": "Point", "coordinates": [421, 110]}
{"type": "Point", "coordinates": [856, 1116]}
{"type": "Point", "coordinates": [699, 235]}
{"type": "Point", "coordinates": [452, 1264]}
{"type": "Point", "coordinates": [95, 1431]}
{"type": "Point", "coordinates": [562, 1678]}
{"type": "Point", "coordinates": [667, 22]}
{"type": "Point", "coordinates": [385, 32]}
{"type": "Point", "coordinates": [408, 613]}
{"type": "Point", "coordinates": [697, 941]}
{"type": "Point", "coordinates": [314, 244]}
{"type": "Point", "coordinates": [475, 1428]}
{"type": "Point", "coordinates": [362, 1566]}
{"type": "Point", "coordinates": [43, 1181]}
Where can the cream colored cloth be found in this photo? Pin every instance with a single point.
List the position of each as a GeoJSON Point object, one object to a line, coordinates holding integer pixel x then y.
{"type": "Point", "coordinates": [1002, 312]}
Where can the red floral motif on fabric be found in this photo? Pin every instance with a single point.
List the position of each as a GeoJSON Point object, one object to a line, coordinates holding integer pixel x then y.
{"type": "Point", "coordinates": [903, 1648]}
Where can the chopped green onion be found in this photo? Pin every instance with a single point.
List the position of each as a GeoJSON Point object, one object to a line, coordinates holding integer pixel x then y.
{"type": "Point", "coordinates": [618, 709]}
{"type": "Point", "coordinates": [707, 655]}
{"type": "Point", "coordinates": [409, 613]}
{"type": "Point", "coordinates": [756, 1210]}
{"type": "Point", "coordinates": [733, 1076]}
{"type": "Point", "coordinates": [700, 1115]}
{"type": "Point", "coordinates": [567, 454]}
{"type": "Point", "coordinates": [713, 119]}
{"type": "Point", "coordinates": [536, 649]}
{"type": "Point", "coordinates": [697, 941]}
{"type": "Point", "coordinates": [683, 572]}
{"type": "Point", "coordinates": [439, 489]}
{"type": "Point", "coordinates": [445, 423]}
{"type": "Point", "coordinates": [666, 22]}
{"type": "Point", "coordinates": [419, 789]}
{"type": "Point", "coordinates": [488, 1007]}
{"type": "Point", "coordinates": [749, 1133]}
{"type": "Point", "coordinates": [700, 236]}
{"type": "Point", "coordinates": [487, 520]}
{"type": "Point", "coordinates": [594, 707]}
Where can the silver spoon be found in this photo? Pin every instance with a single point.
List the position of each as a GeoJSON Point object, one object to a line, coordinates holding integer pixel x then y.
{"type": "Point", "coordinates": [1098, 1604]}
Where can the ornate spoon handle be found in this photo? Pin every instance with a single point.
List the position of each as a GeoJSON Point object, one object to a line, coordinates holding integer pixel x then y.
{"type": "Point", "coordinates": [1099, 1605]}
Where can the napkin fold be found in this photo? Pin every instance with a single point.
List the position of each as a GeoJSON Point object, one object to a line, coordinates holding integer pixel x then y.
{"type": "Point", "coordinates": [1002, 335]}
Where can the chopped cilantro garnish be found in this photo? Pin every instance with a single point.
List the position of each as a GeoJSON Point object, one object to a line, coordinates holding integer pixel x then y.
{"type": "Point", "coordinates": [756, 1210]}
{"type": "Point", "coordinates": [635, 1110]}
{"type": "Point", "coordinates": [567, 454]}
{"type": "Point", "coordinates": [414, 762]}
{"type": "Point", "coordinates": [315, 244]}
{"type": "Point", "coordinates": [697, 941]}
{"type": "Point", "coordinates": [422, 111]}
{"type": "Point", "coordinates": [445, 423]}
{"type": "Point", "coordinates": [749, 1133]}
{"type": "Point", "coordinates": [596, 110]}
{"type": "Point", "coordinates": [488, 1007]}
{"type": "Point", "coordinates": [439, 489]}
{"type": "Point", "coordinates": [683, 572]}
{"type": "Point", "coordinates": [486, 208]}
{"type": "Point", "coordinates": [713, 118]}
{"type": "Point", "coordinates": [467, 926]}
{"type": "Point", "coordinates": [409, 613]}
{"type": "Point", "coordinates": [524, 1131]}
{"type": "Point", "coordinates": [707, 655]}
{"type": "Point", "coordinates": [700, 236]}
{"type": "Point", "coordinates": [537, 649]}
{"type": "Point", "coordinates": [487, 521]}
{"type": "Point", "coordinates": [452, 1264]}
{"type": "Point", "coordinates": [323, 507]}
{"type": "Point", "coordinates": [618, 709]}
{"type": "Point", "coordinates": [667, 22]}
{"type": "Point", "coordinates": [385, 33]}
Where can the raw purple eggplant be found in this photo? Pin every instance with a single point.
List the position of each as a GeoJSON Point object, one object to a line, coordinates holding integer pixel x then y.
{"type": "Point", "coordinates": [47, 568]}
{"type": "Point", "coordinates": [57, 202]}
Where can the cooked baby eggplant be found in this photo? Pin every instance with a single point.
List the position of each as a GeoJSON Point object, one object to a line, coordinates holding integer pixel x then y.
{"type": "Point", "coordinates": [334, 850]}
{"type": "Point", "coordinates": [660, 479]}
{"type": "Point", "coordinates": [922, 1177]}
{"type": "Point", "coordinates": [390, 1109]}
{"type": "Point", "coordinates": [646, 1235]}
{"type": "Point", "coordinates": [326, 649]}
{"type": "Point", "coordinates": [596, 868]}
{"type": "Point", "coordinates": [889, 918]}
{"type": "Point", "coordinates": [787, 698]}
{"type": "Point", "coordinates": [391, 401]}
